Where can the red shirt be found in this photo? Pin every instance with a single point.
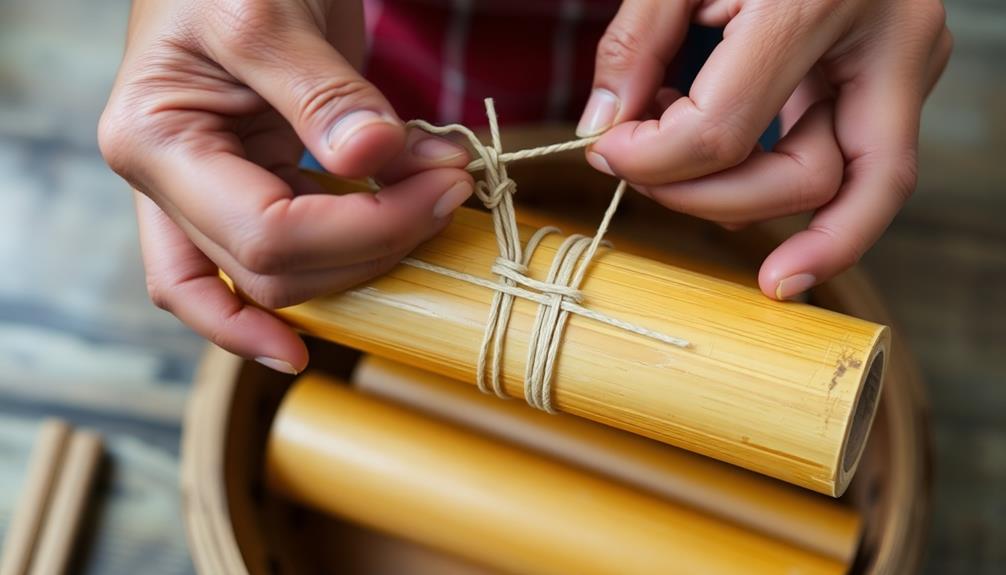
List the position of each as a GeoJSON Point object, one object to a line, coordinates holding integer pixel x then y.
{"type": "Point", "coordinates": [438, 59]}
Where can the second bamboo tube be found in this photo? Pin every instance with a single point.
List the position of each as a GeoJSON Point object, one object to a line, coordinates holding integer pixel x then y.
{"type": "Point", "coordinates": [798, 517]}
{"type": "Point", "coordinates": [386, 467]}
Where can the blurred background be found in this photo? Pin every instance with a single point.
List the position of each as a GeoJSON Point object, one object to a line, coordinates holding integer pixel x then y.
{"type": "Point", "coordinates": [78, 337]}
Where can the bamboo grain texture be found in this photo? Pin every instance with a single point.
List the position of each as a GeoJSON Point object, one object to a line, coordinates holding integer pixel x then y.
{"type": "Point", "coordinates": [388, 468]}
{"type": "Point", "coordinates": [775, 509]}
{"type": "Point", "coordinates": [765, 385]}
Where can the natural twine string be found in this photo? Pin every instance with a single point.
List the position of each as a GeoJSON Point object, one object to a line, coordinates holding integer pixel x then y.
{"type": "Point", "coordinates": [558, 295]}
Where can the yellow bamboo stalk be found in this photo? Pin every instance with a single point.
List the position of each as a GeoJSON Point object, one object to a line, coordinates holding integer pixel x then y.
{"type": "Point", "coordinates": [537, 218]}
{"type": "Point", "coordinates": [795, 516]}
{"type": "Point", "coordinates": [399, 472]}
{"type": "Point", "coordinates": [784, 389]}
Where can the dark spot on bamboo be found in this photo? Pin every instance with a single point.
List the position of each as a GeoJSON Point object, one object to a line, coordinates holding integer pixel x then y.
{"type": "Point", "coordinates": [842, 365]}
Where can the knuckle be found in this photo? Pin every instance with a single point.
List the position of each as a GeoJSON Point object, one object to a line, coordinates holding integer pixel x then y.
{"type": "Point", "coordinates": [259, 253]}
{"type": "Point", "coordinates": [946, 43]}
{"type": "Point", "coordinates": [905, 176]}
{"type": "Point", "coordinates": [270, 292]}
{"type": "Point", "coordinates": [933, 13]}
{"type": "Point", "coordinates": [115, 140]}
{"type": "Point", "coordinates": [720, 145]}
{"type": "Point", "coordinates": [926, 19]}
{"type": "Point", "coordinates": [819, 185]}
{"type": "Point", "coordinates": [848, 249]}
{"type": "Point", "coordinates": [217, 335]}
{"type": "Point", "coordinates": [159, 295]}
{"type": "Point", "coordinates": [316, 97]}
{"type": "Point", "coordinates": [132, 126]}
{"type": "Point", "coordinates": [259, 245]}
{"type": "Point", "coordinates": [247, 29]}
{"type": "Point", "coordinates": [619, 48]}
{"type": "Point", "coordinates": [126, 132]}
{"type": "Point", "coordinates": [220, 332]}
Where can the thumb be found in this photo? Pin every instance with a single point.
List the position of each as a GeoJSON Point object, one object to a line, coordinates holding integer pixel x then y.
{"type": "Point", "coordinates": [343, 119]}
{"type": "Point", "coordinates": [632, 58]}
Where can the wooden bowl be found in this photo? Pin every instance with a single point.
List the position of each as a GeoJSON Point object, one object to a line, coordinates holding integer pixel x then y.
{"type": "Point", "coordinates": [235, 526]}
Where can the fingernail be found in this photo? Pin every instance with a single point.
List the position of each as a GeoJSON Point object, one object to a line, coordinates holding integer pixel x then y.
{"type": "Point", "coordinates": [794, 285]}
{"type": "Point", "coordinates": [598, 161]}
{"type": "Point", "coordinates": [436, 149]}
{"type": "Point", "coordinates": [452, 198]}
{"type": "Point", "coordinates": [277, 364]}
{"type": "Point", "coordinates": [599, 115]}
{"type": "Point", "coordinates": [350, 124]}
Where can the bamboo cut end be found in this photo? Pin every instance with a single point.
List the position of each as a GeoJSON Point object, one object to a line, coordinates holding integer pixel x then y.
{"type": "Point", "coordinates": [863, 412]}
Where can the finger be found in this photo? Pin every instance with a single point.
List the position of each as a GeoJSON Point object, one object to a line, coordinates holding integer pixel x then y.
{"type": "Point", "coordinates": [271, 232]}
{"type": "Point", "coordinates": [271, 143]}
{"type": "Point", "coordinates": [741, 87]}
{"type": "Point", "coordinates": [344, 120]}
{"type": "Point", "coordinates": [183, 281]}
{"type": "Point", "coordinates": [279, 291]}
{"type": "Point", "coordinates": [632, 58]}
{"type": "Point", "coordinates": [812, 89]}
{"type": "Point", "coordinates": [255, 216]}
{"type": "Point", "coordinates": [423, 152]}
{"type": "Point", "coordinates": [282, 290]}
{"type": "Point", "coordinates": [801, 173]}
{"type": "Point", "coordinates": [877, 124]}
{"type": "Point", "coordinates": [877, 119]}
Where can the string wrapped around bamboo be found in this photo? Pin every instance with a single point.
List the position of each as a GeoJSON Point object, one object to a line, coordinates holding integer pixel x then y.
{"type": "Point", "coordinates": [783, 389]}
{"type": "Point", "coordinates": [797, 517]}
{"type": "Point", "coordinates": [402, 473]}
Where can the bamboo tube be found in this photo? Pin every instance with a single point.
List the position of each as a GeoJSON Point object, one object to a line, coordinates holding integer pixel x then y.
{"type": "Point", "coordinates": [796, 517]}
{"type": "Point", "coordinates": [349, 548]}
{"type": "Point", "coordinates": [540, 218]}
{"type": "Point", "coordinates": [26, 523]}
{"type": "Point", "coordinates": [69, 501]}
{"type": "Point", "coordinates": [784, 389]}
{"type": "Point", "coordinates": [411, 476]}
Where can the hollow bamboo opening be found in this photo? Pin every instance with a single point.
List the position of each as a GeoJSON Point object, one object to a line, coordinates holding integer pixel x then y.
{"type": "Point", "coordinates": [864, 411]}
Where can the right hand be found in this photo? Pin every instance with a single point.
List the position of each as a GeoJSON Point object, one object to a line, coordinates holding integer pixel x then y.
{"type": "Point", "coordinates": [212, 108]}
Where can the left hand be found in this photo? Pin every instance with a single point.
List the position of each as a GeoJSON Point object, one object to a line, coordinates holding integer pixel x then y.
{"type": "Point", "coordinates": [847, 78]}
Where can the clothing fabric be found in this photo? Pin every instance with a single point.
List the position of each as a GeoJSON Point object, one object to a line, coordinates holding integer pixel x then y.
{"type": "Point", "coordinates": [438, 59]}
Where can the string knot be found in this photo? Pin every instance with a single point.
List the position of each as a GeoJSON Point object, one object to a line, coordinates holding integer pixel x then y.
{"type": "Point", "coordinates": [557, 295]}
{"type": "Point", "coordinates": [491, 197]}
{"type": "Point", "coordinates": [502, 264]}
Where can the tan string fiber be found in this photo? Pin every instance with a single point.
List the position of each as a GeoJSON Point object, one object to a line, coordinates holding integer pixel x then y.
{"type": "Point", "coordinates": [557, 296]}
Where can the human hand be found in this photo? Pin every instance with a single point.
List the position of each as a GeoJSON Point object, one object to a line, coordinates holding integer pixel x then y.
{"type": "Point", "coordinates": [214, 103]}
{"type": "Point", "coordinates": [847, 78]}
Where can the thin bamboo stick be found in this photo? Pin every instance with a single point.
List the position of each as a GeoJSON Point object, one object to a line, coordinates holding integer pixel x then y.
{"type": "Point", "coordinates": [26, 523]}
{"type": "Point", "coordinates": [774, 387]}
{"type": "Point", "coordinates": [408, 475]}
{"type": "Point", "coordinates": [755, 502]}
{"type": "Point", "coordinates": [69, 501]}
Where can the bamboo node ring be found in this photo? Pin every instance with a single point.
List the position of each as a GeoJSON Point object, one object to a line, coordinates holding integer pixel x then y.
{"type": "Point", "coordinates": [557, 296]}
